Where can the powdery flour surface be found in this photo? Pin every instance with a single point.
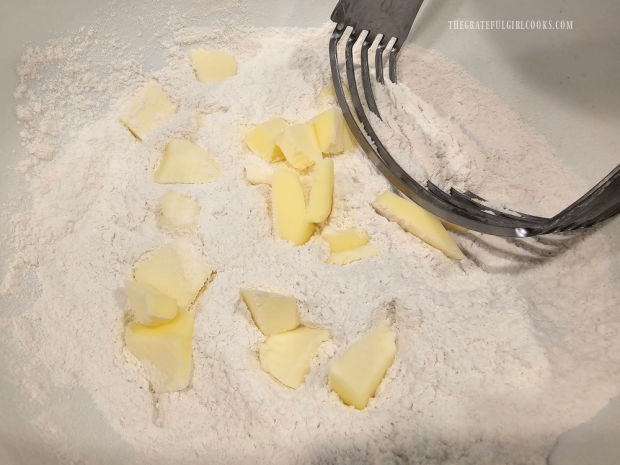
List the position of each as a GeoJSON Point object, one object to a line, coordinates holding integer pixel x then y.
{"type": "Point", "coordinates": [497, 354]}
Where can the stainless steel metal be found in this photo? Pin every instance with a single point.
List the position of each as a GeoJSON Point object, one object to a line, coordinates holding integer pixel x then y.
{"type": "Point", "coordinates": [387, 24]}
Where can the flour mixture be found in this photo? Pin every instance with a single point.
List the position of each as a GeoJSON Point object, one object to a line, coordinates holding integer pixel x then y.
{"type": "Point", "coordinates": [497, 354]}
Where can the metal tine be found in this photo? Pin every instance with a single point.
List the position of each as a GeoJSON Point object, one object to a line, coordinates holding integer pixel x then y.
{"type": "Point", "coordinates": [474, 209]}
{"type": "Point", "coordinates": [405, 182]}
{"type": "Point", "coordinates": [603, 217]}
{"type": "Point", "coordinates": [605, 192]}
{"type": "Point", "coordinates": [519, 215]}
{"type": "Point", "coordinates": [370, 98]}
{"type": "Point", "coordinates": [393, 56]}
{"type": "Point", "coordinates": [598, 208]}
{"type": "Point", "coordinates": [474, 213]}
{"type": "Point", "coordinates": [595, 220]}
{"type": "Point", "coordinates": [379, 58]}
{"type": "Point", "coordinates": [523, 221]}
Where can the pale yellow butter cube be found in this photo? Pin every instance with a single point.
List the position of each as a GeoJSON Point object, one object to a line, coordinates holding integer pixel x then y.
{"type": "Point", "coordinates": [146, 110]}
{"type": "Point", "coordinates": [149, 306]}
{"type": "Point", "coordinates": [179, 211]}
{"type": "Point", "coordinates": [299, 146]}
{"type": "Point", "coordinates": [175, 271]}
{"type": "Point", "coordinates": [328, 93]}
{"type": "Point", "coordinates": [346, 239]}
{"type": "Point", "coordinates": [184, 162]}
{"type": "Point", "coordinates": [356, 376]}
{"type": "Point", "coordinates": [289, 207]}
{"type": "Point", "coordinates": [165, 350]}
{"type": "Point", "coordinates": [353, 255]}
{"type": "Point", "coordinates": [272, 313]}
{"type": "Point", "coordinates": [210, 65]}
{"type": "Point", "coordinates": [287, 356]}
{"type": "Point", "coordinates": [350, 143]}
{"type": "Point", "coordinates": [258, 173]}
{"type": "Point", "coordinates": [454, 227]}
{"type": "Point", "coordinates": [417, 221]}
{"type": "Point", "coordinates": [329, 127]}
{"type": "Point", "coordinates": [262, 140]}
{"type": "Point", "coordinates": [322, 192]}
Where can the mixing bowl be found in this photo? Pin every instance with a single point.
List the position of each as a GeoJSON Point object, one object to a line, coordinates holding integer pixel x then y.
{"type": "Point", "coordinates": [564, 83]}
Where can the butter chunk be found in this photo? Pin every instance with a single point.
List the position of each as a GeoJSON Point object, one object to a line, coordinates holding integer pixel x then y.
{"type": "Point", "coordinates": [258, 173]}
{"type": "Point", "coordinates": [349, 256]}
{"type": "Point", "coordinates": [289, 207]}
{"type": "Point", "coordinates": [179, 211]}
{"type": "Point", "coordinates": [149, 306]}
{"type": "Point", "coordinates": [210, 65]}
{"type": "Point", "coordinates": [414, 219]}
{"type": "Point", "coordinates": [346, 239]}
{"type": "Point", "coordinates": [328, 93]}
{"type": "Point", "coordinates": [356, 376]}
{"type": "Point", "coordinates": [262, 139]}
{"type": "Point", "coordinates": [350, 143]}
{"type": "Point", "coordinates": [272, 313]}
{"type": "Point", "coordinates": [454, 227]}
{"type": "Point", "coordinates": [329, 127]}
{"type": "Point", "coordinates": [322, 192]}
{"type": "Point", "coordinates": [165, 350]}
{"type": "Point", "coordinates": [175, 271]}
{"type": "Point", "coordinates": [146, 110]}
{"type": "Point", "coordinates": [187, 163]}
{"type": "Point", "coordinates": [299, 146]}
{"type": "Point", "coordinates": [287, 356]}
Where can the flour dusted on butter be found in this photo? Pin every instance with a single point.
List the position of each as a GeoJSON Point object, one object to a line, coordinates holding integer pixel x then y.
{"type": "Point", "coordinates": [185, 162]}
{"type": "Point", "coordinates": [176, 271]}
{"type": "Point", "coordinates": [149, 108]}
{"type": "Point", "coordinates": [211, 65]}
{"type": "Point", "coordinates": [356, 375]}
{"type": "Point", "coordinates": [289, 207]}
{"type": "Point", "coordinates": [287, 356]}
{"type": "Point", "coordinates": [165, 350]}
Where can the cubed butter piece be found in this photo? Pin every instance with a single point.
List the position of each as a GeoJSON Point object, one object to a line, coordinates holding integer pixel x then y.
{"type": "Point", "coordinates": [262, 139]}
{"type": "Point", "coordinates": [328, 93]}
{"type": "Point", "coordinates": [329, 127]}
{"type": "Point", "coordinates": [187, 163]}
{"type": "Point", "coordinates": [272, 313]}
{"type": "Point", "coordinates": [210, 65]}
{"type": "Point", "coordinates": [258, 173]}
{"type": "Point", "coordinates": [146, 110]}
{"type": "Point", "coordinates": [454, 227]}
{"type": "Point", "coordinates": [349, 140]}
{"type": "Point", "coordinates": [346, 239]}
{"type": "Point", "coordinates": [289, 207]}
{"type": "Point", "coordinates": [299, 145]}
{"type": "Point", "coordinates": [149, 306]}
{"type": "Point", "coordinates": [179, 211]}
{"type": "Point", "coordinates": [175, 271]}
{"type": "Point", "coordinates": [349, 256]}
{"type": "Point", "coordinates": [287, 356]}
{"type": "Point", "coordinates": [417, 221]}
{"type": "Point", "coordinates": [165, 350]}
{"type": "Point", "coordinates": [356, 376]}
{"type": "Point", "coordinates": [322, 192]}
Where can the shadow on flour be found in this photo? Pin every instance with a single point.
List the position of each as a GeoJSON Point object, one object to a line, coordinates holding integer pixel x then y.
{"type": "Point", "coordinates": [421, 448]}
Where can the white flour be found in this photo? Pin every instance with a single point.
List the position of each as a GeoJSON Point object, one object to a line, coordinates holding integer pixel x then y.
{"type": "Point", "coordinates": [497, 355]}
